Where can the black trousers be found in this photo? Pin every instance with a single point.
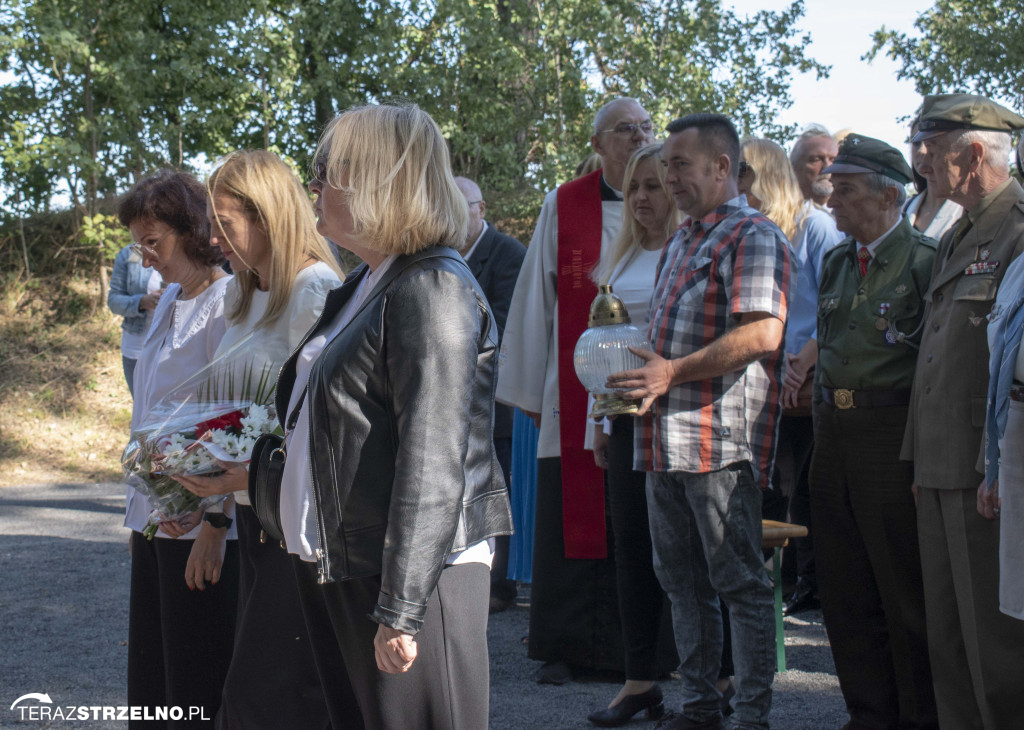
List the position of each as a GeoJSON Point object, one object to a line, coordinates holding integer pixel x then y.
{"type": "Point", "coordinates": [574, 608]}
{"type": "Point", "coordinates": [179, 641]}
{"type": "Point", "coordinates": [650, 647]}
{"type": "Point", "coordinates": [792, 471]}
{"type": "Point", "coordinates": [869, 566]}
{"type": "Point", "coordinates": [501, 587]}
{"type": "Point", "coordinates": [272, 681]}
{"type": "Point", "coordinates": [447, 686]}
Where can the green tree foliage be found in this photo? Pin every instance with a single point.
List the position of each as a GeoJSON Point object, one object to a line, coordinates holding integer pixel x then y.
{"type": "Point", "coordinates": [962, 45]}
{"type": "Point", "coordinates": [97, 92]}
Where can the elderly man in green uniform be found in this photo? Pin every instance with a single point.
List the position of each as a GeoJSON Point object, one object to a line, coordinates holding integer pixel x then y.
{"type": "Point", "coordinates": [870, 308]}
{"type": "Point", "coordinates": [977, 652]}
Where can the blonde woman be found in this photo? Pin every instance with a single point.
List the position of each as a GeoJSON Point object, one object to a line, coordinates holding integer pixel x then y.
{"type": "Point", "coordinates": [629, 265]}
{"type": "Point", "coordinates": [391, 490]}
{"type": "Point", "coordinates": [262, 220]}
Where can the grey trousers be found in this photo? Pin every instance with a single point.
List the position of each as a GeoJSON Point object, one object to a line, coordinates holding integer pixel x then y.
{"type": "Point", "coordinates": [977, 652]}
{"type": "Point", "coordinates": [447, 686]}
{"type": "Point", "coordinates": [706, 533]}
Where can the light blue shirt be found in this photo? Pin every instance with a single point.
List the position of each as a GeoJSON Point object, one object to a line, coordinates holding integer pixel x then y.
{"type": "Point", "coordinates": [816, 235]}
{"type": "Point", "coordinates": [1006, 324]}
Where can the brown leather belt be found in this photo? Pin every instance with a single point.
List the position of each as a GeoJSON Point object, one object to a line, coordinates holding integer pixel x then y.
{"type": "Point", "coordinates": [843, 398]}
{"type": "Point", "coordinates": [1017, 392]}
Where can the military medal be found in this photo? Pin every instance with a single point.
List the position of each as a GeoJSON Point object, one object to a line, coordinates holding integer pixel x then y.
{"type": "Point", "coordinates": [881, 324]}
{"type": "Point", "coordinates": [981, 267]}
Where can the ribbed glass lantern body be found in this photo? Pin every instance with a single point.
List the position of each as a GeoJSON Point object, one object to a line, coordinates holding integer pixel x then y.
{"type": "Point", "coordinates": [602, 351]}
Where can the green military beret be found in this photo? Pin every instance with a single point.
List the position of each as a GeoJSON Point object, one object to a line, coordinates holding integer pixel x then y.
{"type": "Point", "coordinates": [858, 154]}
{"type": "Point", "coordinates": [944, 112]}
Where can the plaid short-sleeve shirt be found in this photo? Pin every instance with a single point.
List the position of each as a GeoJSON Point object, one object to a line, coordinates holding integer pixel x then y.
{"type": "Point", "coordinates": [731, 262]}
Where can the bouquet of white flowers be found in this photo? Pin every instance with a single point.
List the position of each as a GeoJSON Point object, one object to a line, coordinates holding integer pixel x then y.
{"type": "Point", "coordinates": [194, 431]}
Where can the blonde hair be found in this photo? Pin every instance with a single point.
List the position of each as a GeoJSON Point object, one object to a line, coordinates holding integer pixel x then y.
{"type": "Point", "coordinates": [274, 199]}
{"type": "Point", "coordinates": [633, 235]}
{"type": "Point", "coordinates": [774, 184]}
{"type": "Point", "coordinates": [391, 161]}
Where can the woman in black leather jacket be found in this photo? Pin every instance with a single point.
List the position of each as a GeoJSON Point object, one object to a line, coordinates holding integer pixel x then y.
{"type": "Point", "coordinates": [391, 489]}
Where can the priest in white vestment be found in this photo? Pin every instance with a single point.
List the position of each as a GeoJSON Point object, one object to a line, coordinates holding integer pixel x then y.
{"type": "Point", "coordinates": [573, 615]}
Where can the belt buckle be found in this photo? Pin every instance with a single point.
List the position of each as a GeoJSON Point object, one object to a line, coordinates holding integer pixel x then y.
{"type": "Point", "coordinates": [843, 398]}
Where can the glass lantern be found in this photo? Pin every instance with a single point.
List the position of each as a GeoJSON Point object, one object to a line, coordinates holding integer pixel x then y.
{"type": "Point", "coordinates": [603, 349]}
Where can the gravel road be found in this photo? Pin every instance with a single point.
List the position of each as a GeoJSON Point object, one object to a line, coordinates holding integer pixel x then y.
{"type": "Point", "coordinates": [64, 627]}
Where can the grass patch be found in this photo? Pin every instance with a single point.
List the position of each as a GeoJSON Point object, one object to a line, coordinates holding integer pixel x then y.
{"type": "Point", "coordinates": [64, 406]}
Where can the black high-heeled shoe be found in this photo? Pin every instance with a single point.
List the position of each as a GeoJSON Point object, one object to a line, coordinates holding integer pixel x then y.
{"type": "Point", "coordinates": [619, 714]}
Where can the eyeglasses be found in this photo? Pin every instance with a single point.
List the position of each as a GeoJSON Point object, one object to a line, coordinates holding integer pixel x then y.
{"type": "Point", "coordinates": [744, 168]}
{"type": "Point", "coordinates": [628, 130]}
{"type": "Point", "coordinates": [320, 172]}
{"type": "Point", "coordinates": [150, 248]}
{"type": "Point", "coordinates": [473, 202]}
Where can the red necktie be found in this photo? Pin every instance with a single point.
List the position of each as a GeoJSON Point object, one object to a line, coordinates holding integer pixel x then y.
{"type": "Point", "coordinates": [863, 259]}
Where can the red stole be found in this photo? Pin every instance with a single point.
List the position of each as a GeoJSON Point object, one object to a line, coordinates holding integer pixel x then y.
{"type": "Point", "coordinates": [579, 248]}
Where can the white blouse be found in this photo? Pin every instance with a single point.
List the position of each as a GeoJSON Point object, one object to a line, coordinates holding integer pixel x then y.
{"type": "Point", "coordinates": [265, 350]}
{"type": "Point", "coordinates": [181, 341]}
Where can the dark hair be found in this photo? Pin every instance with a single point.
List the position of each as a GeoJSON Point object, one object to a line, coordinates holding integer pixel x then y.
{"type": "Point", "coordinates": [179, 200]}
{"type": "Point", "coordinates": [715, 132]}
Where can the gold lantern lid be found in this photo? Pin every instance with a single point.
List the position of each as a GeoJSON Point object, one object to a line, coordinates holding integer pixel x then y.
{"type": "Point", "coordinates": [607, 308]}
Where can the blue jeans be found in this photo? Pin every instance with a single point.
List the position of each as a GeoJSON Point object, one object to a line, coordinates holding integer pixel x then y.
{"type": "Point", "coordinates": [129, 373]}
{"type": "Point", "coordinates": [706, 534]}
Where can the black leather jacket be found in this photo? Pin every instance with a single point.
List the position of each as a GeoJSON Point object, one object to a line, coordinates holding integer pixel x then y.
{"type": "Point", "coordinates": [401, 408]}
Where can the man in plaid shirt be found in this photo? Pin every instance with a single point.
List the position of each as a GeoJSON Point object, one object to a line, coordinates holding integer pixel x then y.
{"type": "Point", "coordinates": [712, 389]}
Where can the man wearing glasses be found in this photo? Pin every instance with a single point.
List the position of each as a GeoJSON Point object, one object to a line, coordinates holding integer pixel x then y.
{"type": "Point", "coordinates": [573, 616]}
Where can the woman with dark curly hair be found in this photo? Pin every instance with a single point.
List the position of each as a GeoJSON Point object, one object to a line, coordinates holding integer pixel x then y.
{"type": "Point", "coordinates": [179, 639]}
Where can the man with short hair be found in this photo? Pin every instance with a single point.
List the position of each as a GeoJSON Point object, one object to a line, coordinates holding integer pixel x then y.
{"type": "Point", "coordinates": [712, 387]}
{"type": "Point", "coordinates": [495, 260]}
{"type": "Point", "coordinates": [977, 652]}
{"type": "Point", "coordinates": [815, 149]}
{"type": "Point", "coordinates": [573, 615]}
{"type": "Point", "coordinates": [871, 305]}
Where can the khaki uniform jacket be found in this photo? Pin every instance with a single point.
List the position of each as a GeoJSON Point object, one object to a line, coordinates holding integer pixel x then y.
{"type": "Point", "coordinates": [947, 408]}
{"type": "Point", "coordinates": [868, 328]}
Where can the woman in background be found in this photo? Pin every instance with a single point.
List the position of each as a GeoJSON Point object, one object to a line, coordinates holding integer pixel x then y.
{"type": "Point", "coordinates": [134, 292]}
{"type": "Point", "coordinates": [262, 221]}
{"type": "Point", "coordinates": [179, 639]}
{"type": "Point", "coordinates": [928, 214]}
{"type": "Point", "coordinates": [649, 218]}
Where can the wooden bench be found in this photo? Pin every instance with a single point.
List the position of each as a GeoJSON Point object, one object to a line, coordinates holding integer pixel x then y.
{"type": "Point", "coordinates": [775, 536]}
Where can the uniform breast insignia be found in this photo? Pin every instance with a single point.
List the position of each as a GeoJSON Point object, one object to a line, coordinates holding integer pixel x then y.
{"type": "Point", "coordinates": [984, 254]}
{"type": "Point", "coordinates": [901, 289]}
{"type": "Point", "coordinates": [974, 320]}
{"type": "Point", "coordinates": [981, 267]}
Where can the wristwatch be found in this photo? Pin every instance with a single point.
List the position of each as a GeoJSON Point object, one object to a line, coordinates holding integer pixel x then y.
{"type": "Point", "coordinates": [217, 519]}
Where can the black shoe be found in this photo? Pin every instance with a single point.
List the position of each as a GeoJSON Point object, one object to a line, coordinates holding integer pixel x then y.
{"type": "Point", "coordinates": [554, 673]}
{"type": "Point", "coordinates": [628, 706]}
{"type": "Point", "coordinates": [497, 605]}
{"type": "Point", "coordinates": [804, 598]}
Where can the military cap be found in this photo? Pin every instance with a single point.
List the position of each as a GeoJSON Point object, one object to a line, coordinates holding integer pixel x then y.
{"type": "Point", "coordinates": [944, 112]}
{"type": "Point", "coordinates": [858, 154]}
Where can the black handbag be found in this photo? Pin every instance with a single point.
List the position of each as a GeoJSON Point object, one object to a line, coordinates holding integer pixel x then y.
{"type": "Point", "coordinates": [266, 467]}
